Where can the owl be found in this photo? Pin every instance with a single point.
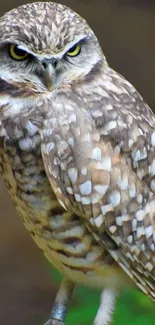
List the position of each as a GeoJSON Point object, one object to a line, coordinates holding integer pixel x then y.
{"type": "Point", "coordinates": [77, 153]}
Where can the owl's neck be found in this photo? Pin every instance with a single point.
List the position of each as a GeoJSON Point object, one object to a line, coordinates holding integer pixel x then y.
{"type": "Point", "coordinates": [22, 114]}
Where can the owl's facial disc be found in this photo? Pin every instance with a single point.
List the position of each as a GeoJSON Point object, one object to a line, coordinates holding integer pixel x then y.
{"type": "Point", "coordinates": [44, 46]}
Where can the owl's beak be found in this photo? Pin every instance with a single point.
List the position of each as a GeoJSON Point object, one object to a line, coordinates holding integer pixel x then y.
{"type": "Point", "coordinates": [49, 75]}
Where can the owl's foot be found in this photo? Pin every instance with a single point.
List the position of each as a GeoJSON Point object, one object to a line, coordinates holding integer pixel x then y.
{"type": "Point", "coordinates": [59, 309]}
{"type": "Point", "coordinates": [54, 322]}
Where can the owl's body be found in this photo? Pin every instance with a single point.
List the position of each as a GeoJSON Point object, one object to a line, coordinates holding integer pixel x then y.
{"type": "Point", "coordinates": [62, 235]}
{"type": "Point", "coordinates": [77, 153]}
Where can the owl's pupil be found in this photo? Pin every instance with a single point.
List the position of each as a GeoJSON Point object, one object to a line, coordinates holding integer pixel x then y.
{"type": "Point", "coordinates": [18, 51]}
{"type": "Point", "coordinates": [72, 49]}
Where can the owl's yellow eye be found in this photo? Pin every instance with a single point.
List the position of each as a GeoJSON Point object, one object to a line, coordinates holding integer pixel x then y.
{"type": "Point", "coordinates": [74, 51]}
{"type": "Point", "coordinates": [17, 53]}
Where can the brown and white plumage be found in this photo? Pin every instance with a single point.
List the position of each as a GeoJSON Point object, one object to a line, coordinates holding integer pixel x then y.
{"type": "Point", "coordinates": [111, 185]}
{"type": "Point", "coordinates": [77, 153]}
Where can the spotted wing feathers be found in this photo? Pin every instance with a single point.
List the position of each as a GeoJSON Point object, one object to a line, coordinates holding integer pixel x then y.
{"type": "Point", "coordinates": [101, 165]}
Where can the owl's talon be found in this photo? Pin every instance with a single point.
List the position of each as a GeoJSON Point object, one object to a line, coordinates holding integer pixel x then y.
{"type": "Point", "coordinates": [52, 321]}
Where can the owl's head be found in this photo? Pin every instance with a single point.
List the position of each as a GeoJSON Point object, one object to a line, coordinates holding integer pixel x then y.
{"type": "Point", "coordinates": [45, 45]}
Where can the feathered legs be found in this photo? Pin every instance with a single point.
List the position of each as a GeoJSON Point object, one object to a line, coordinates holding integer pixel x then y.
{"type": "Point", "coordinates": [106, 308]}
{"type": "Point", "coordinates": [61, 303]}
{"type": "Point", "coordinates": [59, 310]}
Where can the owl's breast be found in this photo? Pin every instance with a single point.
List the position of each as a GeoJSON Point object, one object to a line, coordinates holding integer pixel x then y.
{"type": "Point", "coordinates": [63, 237]}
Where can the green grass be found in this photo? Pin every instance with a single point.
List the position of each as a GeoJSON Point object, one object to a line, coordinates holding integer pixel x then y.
{"type": "Point", "coordinates": [132, 306]}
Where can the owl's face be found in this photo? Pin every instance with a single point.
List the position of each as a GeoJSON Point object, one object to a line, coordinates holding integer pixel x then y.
{"type": "Point", "coordinates": [44, 46]}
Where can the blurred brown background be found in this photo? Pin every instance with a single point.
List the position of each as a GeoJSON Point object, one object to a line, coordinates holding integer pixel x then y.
{"type": "Point", "coordinates": [126, 30]}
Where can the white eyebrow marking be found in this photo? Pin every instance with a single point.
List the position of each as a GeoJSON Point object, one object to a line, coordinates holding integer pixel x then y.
{"type": "Point", "coordinates": [54, 55]}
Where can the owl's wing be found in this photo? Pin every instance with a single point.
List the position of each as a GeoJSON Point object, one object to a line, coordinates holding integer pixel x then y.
{"type": "Point", "coordinates": [101, 164]}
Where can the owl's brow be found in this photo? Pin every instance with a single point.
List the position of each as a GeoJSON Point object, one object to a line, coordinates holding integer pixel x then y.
{"type": "Point", "coordinates": [82, 38]}
{"type": "Point", "coordinates": [40, 55]}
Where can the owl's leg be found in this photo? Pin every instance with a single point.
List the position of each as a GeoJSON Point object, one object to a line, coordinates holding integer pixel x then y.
{"type": "Point", "coordinates": [63, 297]}
{"type": "Point", "coordinates": [104, 313]}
